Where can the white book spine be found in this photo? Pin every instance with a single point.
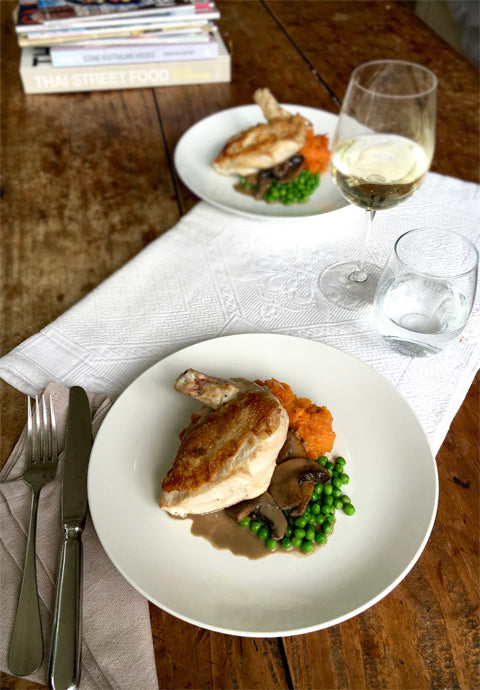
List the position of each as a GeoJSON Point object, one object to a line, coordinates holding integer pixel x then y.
{"type": "Point", "coordinates": [69, 56]}
{"type": "Point", "coordinates": [39, 76]}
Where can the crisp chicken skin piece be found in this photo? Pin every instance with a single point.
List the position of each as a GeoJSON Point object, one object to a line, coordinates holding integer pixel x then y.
{"type": "Point", "coordinates": [228, 452]}
{"type": "Point", "coordinates": [266, 144]}
{"type": "Point", "coordinates": [271, 108]}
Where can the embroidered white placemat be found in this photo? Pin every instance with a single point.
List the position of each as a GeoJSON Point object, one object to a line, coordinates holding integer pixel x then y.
{"type": "Point", "coordinates": [217, 274]}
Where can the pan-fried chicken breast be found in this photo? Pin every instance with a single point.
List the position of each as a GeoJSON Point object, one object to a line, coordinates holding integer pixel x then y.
{"type": "Point", "coordinates": [266, 144]}
{"type": "Point", "coordinates": [228, 452]}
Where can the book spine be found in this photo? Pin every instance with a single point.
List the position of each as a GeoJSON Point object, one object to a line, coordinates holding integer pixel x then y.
{"type": "Point", "coordinates": [79, 35]}
{"type": "Point", "coordinates": [63, 56]}
{"type": "Point", "coordinates": [86, 16]}
{"type": "Point", "coordinates": [28, 22]}
{"type": "Point", "coordinates": [38, 79]}
{"type": "Point", "coordinates": [164, 19]}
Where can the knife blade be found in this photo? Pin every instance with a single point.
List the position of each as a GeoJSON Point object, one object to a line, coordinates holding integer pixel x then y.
{"type": "Point", "coordinates": [65, 651]}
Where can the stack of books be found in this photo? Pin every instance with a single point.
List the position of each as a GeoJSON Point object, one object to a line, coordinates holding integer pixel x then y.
{"type": "Point", "coordinates": [93, 45]}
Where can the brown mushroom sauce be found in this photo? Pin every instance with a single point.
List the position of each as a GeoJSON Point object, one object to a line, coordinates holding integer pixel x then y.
{"type": "Point", "coordinates": [293, 483]}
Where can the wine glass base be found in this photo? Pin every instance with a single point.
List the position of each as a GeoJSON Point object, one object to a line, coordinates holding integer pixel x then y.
{"type": "Point", "coordinates": [337, 286]}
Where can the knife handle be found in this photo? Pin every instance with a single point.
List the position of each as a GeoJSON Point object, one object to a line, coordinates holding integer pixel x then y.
{"type": "Point", "coordinates": [64, 668]}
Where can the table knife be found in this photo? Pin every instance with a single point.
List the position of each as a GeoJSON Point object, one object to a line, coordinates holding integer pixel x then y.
{"type": "Point", "coordinates": [64, 667]}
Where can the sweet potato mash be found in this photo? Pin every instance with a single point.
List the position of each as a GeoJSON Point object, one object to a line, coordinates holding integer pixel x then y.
{"type": "Point", "coordinates": [311, 423]}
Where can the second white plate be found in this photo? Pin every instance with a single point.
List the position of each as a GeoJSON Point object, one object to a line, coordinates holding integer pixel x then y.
{"type": "Point", "coordinates": [203, 142]}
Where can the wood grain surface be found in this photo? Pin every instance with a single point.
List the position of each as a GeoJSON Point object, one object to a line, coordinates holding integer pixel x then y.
{"type": "Point", "coordinates": [87, 180]}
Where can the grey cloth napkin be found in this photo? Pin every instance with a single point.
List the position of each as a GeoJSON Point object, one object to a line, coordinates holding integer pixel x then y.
{"type": "Point", "coordinates": [117, 648]}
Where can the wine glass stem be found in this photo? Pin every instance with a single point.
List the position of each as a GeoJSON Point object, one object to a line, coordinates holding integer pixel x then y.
{"type": "Point", "coordinates": [360, 275]}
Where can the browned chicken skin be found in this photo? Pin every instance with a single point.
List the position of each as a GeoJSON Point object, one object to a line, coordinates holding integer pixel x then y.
{"type": "Point", "coordinates": [229, 451]}
{"type": "Point", "coordinates": [266, 144]}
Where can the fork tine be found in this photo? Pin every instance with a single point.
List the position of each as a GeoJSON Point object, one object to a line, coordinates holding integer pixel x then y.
{"type": "Point", "coordinates": [45, 454]}
{"type": "Point", "coordinates": [54, 455]}
{"type": "Point", "coordinates": [29, 429]}
{"type": "Point", "coordinates": [37, 435]}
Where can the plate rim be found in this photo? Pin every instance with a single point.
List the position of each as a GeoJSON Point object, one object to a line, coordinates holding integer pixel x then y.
{"type": "Point", "coordinates": [309, 628]}
{"type": "Point", "coordinates": [267, 217]}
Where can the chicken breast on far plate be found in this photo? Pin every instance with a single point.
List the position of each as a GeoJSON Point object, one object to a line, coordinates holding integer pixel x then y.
{"type": "Point", "coordinates": [228, 452]}
{"type": "Point", "coordinates": [266, 144]}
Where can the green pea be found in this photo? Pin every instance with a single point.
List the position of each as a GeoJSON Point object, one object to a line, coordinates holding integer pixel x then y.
{"type": "Point", "coordinates": [310, 533]}
{"type": "Point", "coordinates": [245, 522]}
{"type": "Point", "coordinates": [340, 461]}
{"type": "Point", "coordinates": [346, 499]}
{"type": "Point", "coordinates": [328, 489]}
{"type": "Point", "coordinates": [345, 479]}
{"type": "Point", "coordinates": [289, 531]}
{"type": "Point", "coordinates": [327, 527]}
{"type": "Point", "coordinates": [320, 519]}
{"type": "Point", "coordinates": [315, 509]}
{"type": "Point", "coordinates": [296, 191]}
{"type": "Point", "coordinates": [329, 465]}
{"type": "Point", "coordinates": [348, 509]}
{"type": "Point", "coordinates": [286, 543]}
{"type": "Point", "coordinates": [263, 533]}
{"type": "Point", "coordinates": [320, 537]}
{"type": "Point", "coordinates": [323, 460]}
{"type": "Point", "coordinates": [330, 518]}
{"type": "Point", "coordinates": [337, 492]}
{"type": "Point", "coordinates": [271, 543]}
{"type": "Point", "coordinates": [328, 500]}
{"type": "Point", "coordinates": [296, 541]}
{"type": "Point", "coordinates": [326, 509]}
{"type": "Point", "coordinates": [318, 489]}
{"type": "Point", "coordinates": [300, 521]}
{"type": "Point", "coordinates": [307, 547]}
{"type": "Point", "coordinates": [255, 526]}
{"type": "Point", "coordinates": [337, 482]}
{"type": "Point", "coordinates": [299, 532]}
{"type": "Point", "coordinates": [338, 503]}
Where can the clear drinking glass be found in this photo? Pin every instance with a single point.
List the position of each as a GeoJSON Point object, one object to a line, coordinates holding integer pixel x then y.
{"type": "Point", "coordinates": [426, 291]}
{"type": "Point", "coordinates": [381, 151]}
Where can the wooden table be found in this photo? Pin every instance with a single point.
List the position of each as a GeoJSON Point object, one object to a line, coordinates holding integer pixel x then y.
{"type": "Point", "coordinates": [88, 181]}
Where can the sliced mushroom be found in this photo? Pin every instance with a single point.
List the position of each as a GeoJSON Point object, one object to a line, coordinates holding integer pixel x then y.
{"type": "Point", "coordinates": [292, 448]}
{"type": "Point", "coordinates": [264, 182]}
{"type": "Point", "coordinates": [292, 483]}
{"type": "Point", "coordinates": [261, 508]}
{"type": "Point", "coordinates": [290, 169]}
{"type": "Point", "coordinates": [240, 511]}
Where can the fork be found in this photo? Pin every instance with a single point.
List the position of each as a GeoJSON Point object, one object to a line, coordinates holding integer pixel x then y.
{"type": "Point", "coordinates": [26, 646]}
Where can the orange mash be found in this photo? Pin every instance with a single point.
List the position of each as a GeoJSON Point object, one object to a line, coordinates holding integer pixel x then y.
{"type": "Point", "coordinates": [311, 423]}
{"type": "Point", "coordinates": [316, 152]}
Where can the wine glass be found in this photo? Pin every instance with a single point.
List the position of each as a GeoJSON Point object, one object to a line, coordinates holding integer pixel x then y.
{"type": "Point", "coordinates": [381, 151]}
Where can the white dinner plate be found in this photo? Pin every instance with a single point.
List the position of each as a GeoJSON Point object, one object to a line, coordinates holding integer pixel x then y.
{"type": "Point", "coordinates": [394, 487]}
{"type": "Point", "coordinates": [203, 142]}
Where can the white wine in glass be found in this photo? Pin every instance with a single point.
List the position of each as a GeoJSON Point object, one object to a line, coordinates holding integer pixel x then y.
{"type": "Point", "coordinates": [381, 151]}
